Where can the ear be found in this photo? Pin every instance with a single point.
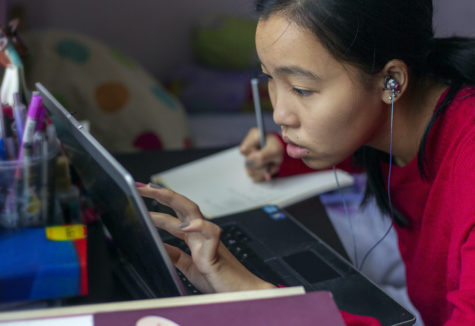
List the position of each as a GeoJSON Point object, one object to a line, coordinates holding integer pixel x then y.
{"type": "Point", "coordinates": [397, 70]}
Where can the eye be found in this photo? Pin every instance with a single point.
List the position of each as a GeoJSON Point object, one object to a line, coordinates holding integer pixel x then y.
{"type": "Point", "coordinates": [301, 92]}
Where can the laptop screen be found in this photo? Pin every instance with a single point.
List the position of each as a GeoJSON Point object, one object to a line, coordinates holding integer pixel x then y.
{"type": "Point", "coordinates": [118, 204]}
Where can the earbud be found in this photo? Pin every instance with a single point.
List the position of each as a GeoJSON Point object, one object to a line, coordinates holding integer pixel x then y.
{"type": "Point", "coordinates": [391, 84]}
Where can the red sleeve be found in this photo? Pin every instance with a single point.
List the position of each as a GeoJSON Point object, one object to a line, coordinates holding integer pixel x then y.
{"type": "Point", "coordinates": [463, 297]}
{"type": "Point", "coordinates": [355, 320]}
{"type": "Point", "coordinates": [291, 166]}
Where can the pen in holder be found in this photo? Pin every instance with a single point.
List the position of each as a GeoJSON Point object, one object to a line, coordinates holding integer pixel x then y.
{"type": "Point", "coordinates": [27, 186]}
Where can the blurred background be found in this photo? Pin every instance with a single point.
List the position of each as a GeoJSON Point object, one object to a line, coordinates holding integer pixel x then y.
{"type": "Point", "coordinates": [159, 74]}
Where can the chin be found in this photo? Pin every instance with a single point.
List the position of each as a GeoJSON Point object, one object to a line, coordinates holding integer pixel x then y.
{"type": "Point", "coordinates": [317, 164]}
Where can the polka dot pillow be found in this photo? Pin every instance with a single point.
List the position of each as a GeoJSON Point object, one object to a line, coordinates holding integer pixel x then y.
{"type": "Point", "coordinates": [128, 110]}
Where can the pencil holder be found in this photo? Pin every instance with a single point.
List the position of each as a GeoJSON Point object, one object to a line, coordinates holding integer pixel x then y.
{"type": "Point", "coordinates": [27, 186]}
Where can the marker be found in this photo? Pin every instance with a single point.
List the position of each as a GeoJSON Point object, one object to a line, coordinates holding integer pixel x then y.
{"type": "Point", "coordinates": [31, 204]}
{"type": "Point", "coordinates": [32, 119]}
{"type": "Point", "coordinates": [259, 118]}
{"type": "Point", "coordinates": [41, 118]}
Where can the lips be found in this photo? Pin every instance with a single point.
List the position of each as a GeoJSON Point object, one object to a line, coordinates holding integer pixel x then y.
{"type": "Point", "coordinates": [294, 150]}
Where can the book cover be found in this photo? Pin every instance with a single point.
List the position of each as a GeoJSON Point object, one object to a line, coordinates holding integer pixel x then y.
{"type": "Point", "coordinates": [307, 309]}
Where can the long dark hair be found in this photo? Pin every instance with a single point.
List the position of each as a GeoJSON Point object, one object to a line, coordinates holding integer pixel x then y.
{"type": "Point", "coordinates": [368, 34]}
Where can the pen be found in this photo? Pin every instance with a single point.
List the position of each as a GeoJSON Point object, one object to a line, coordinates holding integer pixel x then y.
{"type": "Point", "coordinates": [258, 110]}
{"type": "Point", "coordinates": [18, 114]}
{"type": "Point", "coordinates": [259, 119]}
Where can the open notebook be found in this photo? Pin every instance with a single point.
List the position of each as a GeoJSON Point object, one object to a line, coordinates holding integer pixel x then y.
{"type": "Point", "coordinates": [230, 190]}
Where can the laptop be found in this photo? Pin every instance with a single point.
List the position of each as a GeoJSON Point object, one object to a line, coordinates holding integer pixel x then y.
{"type": "Point", "coordinates": [268, 240]}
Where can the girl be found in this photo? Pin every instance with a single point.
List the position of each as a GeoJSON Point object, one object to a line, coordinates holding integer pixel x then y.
{"type": "Point", "coordinates": [366, 78]}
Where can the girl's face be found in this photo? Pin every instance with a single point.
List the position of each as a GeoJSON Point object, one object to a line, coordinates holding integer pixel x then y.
{"type": "Point", "coordinates": [325, 110]}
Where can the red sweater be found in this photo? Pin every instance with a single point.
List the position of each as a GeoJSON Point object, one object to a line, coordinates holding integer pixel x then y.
{"type": "Point", "coordinates": [438, 248]}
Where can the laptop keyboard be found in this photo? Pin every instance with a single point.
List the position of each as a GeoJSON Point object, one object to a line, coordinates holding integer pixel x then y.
{"type": "Point", "coordinates": [237, 243]}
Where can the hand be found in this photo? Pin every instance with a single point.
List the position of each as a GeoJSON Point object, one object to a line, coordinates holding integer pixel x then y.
{"type": "Point", "coordinates": [211, 267]}
{"type": "Point", "coordinates": [263, 163]}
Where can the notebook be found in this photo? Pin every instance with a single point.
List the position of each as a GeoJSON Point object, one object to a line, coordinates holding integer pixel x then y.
{"type": "Point", "coordinates": [268, 240]}
{"type": "Point", "coordinates": [230, 190]}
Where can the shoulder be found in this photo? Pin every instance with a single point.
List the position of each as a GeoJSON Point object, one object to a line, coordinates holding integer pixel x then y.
{"type": "Point", "coordinates": [459, 128]}
{"type": "Point", "coordinates": [451, 138]}
{"type": "Point", "coordinates": [458, 118]}
{"type": "Point", "coordinates": [463, 104]}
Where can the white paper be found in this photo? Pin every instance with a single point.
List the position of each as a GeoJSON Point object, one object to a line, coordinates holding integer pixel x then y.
{"type": "Point", "coordinates": [220, 185]}
{"type": "Point", "coordinates": [69, 321]}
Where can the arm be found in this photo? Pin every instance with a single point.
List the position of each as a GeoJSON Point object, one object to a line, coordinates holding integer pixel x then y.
{"type": "Point", "coordinates": [463, 210]}
{"type": "Point", "coordinates": [463, 299]}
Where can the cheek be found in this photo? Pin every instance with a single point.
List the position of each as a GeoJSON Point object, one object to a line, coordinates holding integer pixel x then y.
{"type": "Point", "coordinates": [336, 127]}
{"type": "Point", "coordinates": [327, 116]}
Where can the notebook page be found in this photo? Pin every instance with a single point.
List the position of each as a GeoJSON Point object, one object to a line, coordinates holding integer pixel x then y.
{"type": "Point", "coordinates": [220, 185]}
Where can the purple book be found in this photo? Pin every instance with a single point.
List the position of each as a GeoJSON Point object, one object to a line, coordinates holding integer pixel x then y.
{"type": "Point", "coordinates": [307, 309]}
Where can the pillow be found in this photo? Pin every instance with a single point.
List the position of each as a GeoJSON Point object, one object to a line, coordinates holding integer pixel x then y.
{"type": "Point", "coordinates": [127, 108]}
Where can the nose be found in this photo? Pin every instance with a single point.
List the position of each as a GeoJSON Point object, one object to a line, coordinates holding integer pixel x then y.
{"type": "Point", "coordinates": [284, 114]}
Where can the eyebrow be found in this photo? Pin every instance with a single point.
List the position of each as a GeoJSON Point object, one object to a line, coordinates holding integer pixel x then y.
{"type": "Point", "coordinates": [296, 71]}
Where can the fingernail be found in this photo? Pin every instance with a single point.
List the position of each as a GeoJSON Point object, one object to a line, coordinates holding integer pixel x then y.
{"type": "Point", "coordinates": [139, 184]}
{"type": "Point", "coordinates": [267, 176]}
{"type": "Point", "coordinates": [183, 225]}
{"type": "Point", "coordinates": [249, 164]}
{"type": "Point", "coordinates": [156, 185]}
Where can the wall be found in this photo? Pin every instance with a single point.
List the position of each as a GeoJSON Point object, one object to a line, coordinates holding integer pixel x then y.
{"type": "Point", "coordinates": [157, 32]}
{"type": "Point", "coordinates": [154, 32]}
{"type": "Point", "coordinates": [454, 17]}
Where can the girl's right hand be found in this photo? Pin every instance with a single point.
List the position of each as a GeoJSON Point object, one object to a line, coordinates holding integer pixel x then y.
{"type": "Point", "coordinates": [261, 164]}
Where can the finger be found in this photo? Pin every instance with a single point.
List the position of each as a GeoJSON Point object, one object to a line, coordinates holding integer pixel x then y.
{"type": "Point", "coordinates": [208, 230]}
{"type": "Point", "coordinates": [179, 258]}
{"type": "Point", "coordinates": [203, 239]}
{"type": "Point", "coordinates": [260, 161]}
{"type": "Point", "coordinates": [184, 263]}
{"type": "Point", "coordinates": [174, 253]}
{"type": "Point", "coordinates": [168, 223]}
{"type": "Point", "coordinates": [263, 173]}
{"type": "Point", "coordinates": [273, 169]}
{"type": "Point", "coordinates": [257, 175]}
{"type": "Point", "coordinates": [251, 142]}
{"type": "Point", "coordinates": [184, 207]}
